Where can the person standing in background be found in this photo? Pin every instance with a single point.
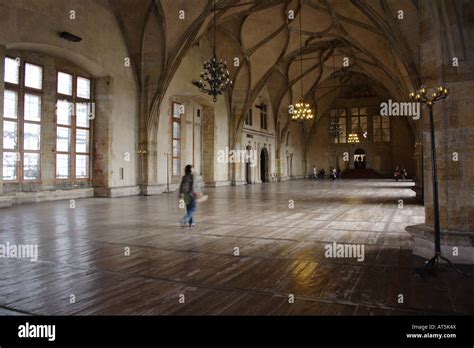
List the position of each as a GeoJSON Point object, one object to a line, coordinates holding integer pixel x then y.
{"type": "Point", "coordinates": [315, 173]}
{"type": "Point", "coordinates": [190, 190]}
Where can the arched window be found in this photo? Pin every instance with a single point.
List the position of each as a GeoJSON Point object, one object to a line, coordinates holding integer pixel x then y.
{"type": "Point", "coordinates": [176, 139]}
{"type": "Point", "coordinates": [22, 119]}
{"type": "Point", "coordinates": [74, 111]}
{"type": "Point", "coordinates": [47, 126]}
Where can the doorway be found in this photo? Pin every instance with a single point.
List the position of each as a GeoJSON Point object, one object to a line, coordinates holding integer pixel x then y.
{"type": "Point", "coordinates": [264, 165]}
{"type": "Point", "coordinates": [289, 160]}
{"type": "Point", "coordinates": [359, 159]}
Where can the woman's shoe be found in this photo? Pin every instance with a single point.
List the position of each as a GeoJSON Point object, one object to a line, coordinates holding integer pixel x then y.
{"type": "Point", "coordinates": [192, 225]}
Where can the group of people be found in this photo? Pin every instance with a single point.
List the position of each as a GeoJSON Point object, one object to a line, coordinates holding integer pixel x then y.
{"type": "Point", "coordinates": [400, 174]}
{"type": "Point", "coordinates": [334, 173]}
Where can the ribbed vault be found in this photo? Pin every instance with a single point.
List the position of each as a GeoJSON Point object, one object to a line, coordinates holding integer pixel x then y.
{"type": "Point", "coordinates": [368, 34]}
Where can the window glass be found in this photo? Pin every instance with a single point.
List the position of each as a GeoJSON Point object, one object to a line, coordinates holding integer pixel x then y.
{"type": "Point", "coordinates": [83, 88]}
{"type": "Point", "coordinates": [33, 76]}
{"type": "Point", "coordinates": [64, 112]}
{"type": "Point", "coordinates": [32, 107]}
{"type": "Point", "coordinates": [9, 165]}
{"type": "Point", "coordinates": [10, 104]}
{"type": "Point", "coordinates": [12, 71]}
{"type": "Point", "coordinates": [82, 140]}
{"type": "Point", "coordinates": [176, 166]}
{"type": "Point", "coordinates": [82, 166]}
{"type": "Point", "coordinates": [31, 166]}
{"type": "Point", "coordinates": [63, 139]}
{"type": "Point", "coordinates": [64, 83]}
{"type": "Point", "coordinates": [176, 148]}
{"type": "Point", "coordinates": [10, 135]}
{"type": "Point", "coordinates": [32, 136]}
{"type": "Point", "coordinates": [82, 115]}
{"type": "Point", "coordinates": [176, 110]}
{"type": "Point", "coordinates": [62, 166]}
{"type": "Point", "coordinates": [176, 130]}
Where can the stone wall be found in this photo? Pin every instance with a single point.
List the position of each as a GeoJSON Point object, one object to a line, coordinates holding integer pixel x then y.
{"type": "Point", "coordinates": [454, 128]}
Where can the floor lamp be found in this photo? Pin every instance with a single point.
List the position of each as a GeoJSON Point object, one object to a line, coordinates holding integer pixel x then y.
{"type": "Point", "coordinates": [422, 96]}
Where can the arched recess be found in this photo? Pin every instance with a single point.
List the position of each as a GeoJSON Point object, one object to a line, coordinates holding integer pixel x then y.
{"type": "Point", "coordinates": [53, 59]}
{"type": "Point", "coordinates": [360, 161]}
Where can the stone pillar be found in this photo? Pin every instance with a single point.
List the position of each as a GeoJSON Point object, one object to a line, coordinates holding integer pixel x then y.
{"type": "Point", "coordinates": [2, 89]}
{"type": "Point", "coordinates": [102, 136]}
{"type": "Point", "coordinates": [209, 144]}
{"type": "Point", "coordinates": [238, 177]}
{"type": "Point", "coordinates": [454, 133]}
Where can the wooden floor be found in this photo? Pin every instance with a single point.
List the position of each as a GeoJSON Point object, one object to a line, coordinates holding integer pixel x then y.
{"type": "Point", "coordinates": [282, 252]}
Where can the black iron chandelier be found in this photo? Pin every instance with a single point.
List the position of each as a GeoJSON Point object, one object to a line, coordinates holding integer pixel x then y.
{"type": "Point", "coordinates": [214, 78]}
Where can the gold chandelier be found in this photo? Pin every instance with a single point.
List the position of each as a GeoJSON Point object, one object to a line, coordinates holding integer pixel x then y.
{"type": "Point", "coordinates": [353, 138]}
{"type": "Point", "coordinates": [302, 110]}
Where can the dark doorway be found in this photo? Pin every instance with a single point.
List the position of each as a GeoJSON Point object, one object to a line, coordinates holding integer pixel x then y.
{"type": "Point", "coordinates": [359, 159]}
{"type": "Point", "coordinates": [289, 160]}
{"type": "Point", "coordinates": [248, 173]}
{"type": "Point", "coordinates": [264, 165]}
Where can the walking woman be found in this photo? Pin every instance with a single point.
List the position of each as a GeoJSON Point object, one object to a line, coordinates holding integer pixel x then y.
{"type": "Point", "coordinates": [189, 191]}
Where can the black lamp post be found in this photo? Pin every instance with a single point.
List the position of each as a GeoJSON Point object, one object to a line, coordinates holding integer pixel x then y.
{"type": "Point", "coordinates": [422, 96]}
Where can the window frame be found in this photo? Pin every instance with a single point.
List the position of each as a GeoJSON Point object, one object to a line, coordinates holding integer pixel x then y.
{"type": "Point", "coordinates": [173, 121]}
{"type": "Point", "coordinates": [336, 118]}
{"type": "Point", "coordinates": [73, 127]}
{"type": "Point", "coordinates": [22, 90]}
{"type": "Point", "coordinates": [380, 127]}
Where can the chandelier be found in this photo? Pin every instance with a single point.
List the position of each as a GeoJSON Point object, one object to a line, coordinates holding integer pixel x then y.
{"type": "Point", "coordinates": [214, 78]}
{"type": "Point", "coordinates": [353, 138]}
{"type": "Point", "coordinates": [302, 110]}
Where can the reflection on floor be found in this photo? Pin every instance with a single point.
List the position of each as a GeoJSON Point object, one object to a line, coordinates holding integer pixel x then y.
{"type": "Point", "coordinates": [281, 253]}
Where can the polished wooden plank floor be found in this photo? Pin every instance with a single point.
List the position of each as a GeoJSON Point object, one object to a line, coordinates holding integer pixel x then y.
{"type": "Point", "coordinates": [81, 253]}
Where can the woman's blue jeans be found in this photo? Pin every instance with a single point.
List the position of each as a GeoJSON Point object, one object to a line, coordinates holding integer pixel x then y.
{"type": "Point", "coordinates": [190, 209]}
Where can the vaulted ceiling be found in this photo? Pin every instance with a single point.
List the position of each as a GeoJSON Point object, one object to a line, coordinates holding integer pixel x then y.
{"type": "Point", "coordinates": [379, 39]}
